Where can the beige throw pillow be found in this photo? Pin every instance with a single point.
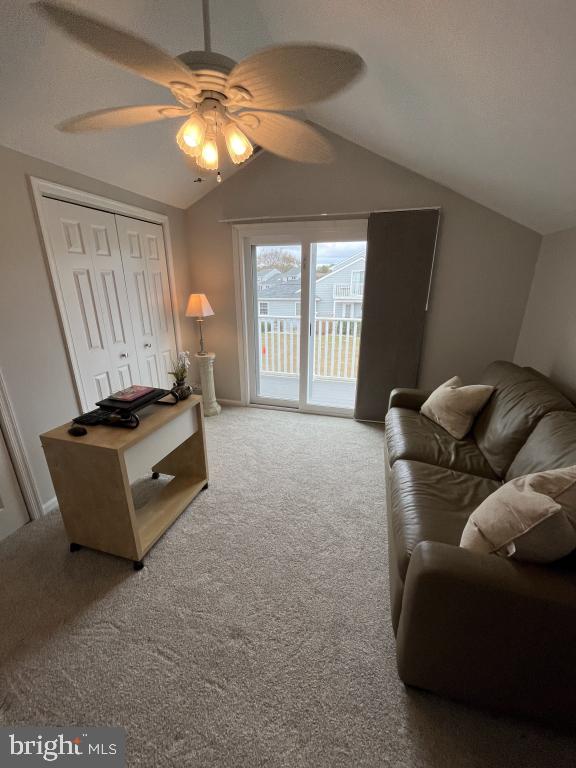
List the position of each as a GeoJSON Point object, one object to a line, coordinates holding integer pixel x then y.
{"type": "Point", "coordinates": [531, 518]}
{"type": "Point", "coordinates": [455, 407]}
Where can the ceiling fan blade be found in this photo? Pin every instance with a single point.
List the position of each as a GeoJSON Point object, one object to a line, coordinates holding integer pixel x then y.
{"type": "Point", "coordinates": [121, 47]}
{"type": "Point", "coordinates": [285, 136]}
{"type": "Point", "coordinates": [290, 76]}
{"type": "Point", "coordinates": [121, 117]}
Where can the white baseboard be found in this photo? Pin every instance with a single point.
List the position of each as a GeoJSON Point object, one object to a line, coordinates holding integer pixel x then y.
{"type": "Point", "coordinates": [50, 505]}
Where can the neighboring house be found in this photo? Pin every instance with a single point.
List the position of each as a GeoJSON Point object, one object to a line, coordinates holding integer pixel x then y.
{"type": "Point", "coordinates": [280, 295]}
{"type": "Point", "coordinates": [338, 293]}
{"type": "Point", "coordinates": [291, 276]}
{"type": "Point", "coordinates": [265, 274]}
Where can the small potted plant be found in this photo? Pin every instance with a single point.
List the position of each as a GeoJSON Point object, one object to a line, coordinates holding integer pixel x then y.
{"type": "Point", "coordinates": [181, 389]}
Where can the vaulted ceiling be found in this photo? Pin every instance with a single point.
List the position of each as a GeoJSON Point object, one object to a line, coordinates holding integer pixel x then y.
{"type": "Point", "coordinates": [476, 94]}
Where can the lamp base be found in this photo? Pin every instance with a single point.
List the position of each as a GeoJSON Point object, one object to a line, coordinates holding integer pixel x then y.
{"type": "Point", "coordinates": [202, 350]}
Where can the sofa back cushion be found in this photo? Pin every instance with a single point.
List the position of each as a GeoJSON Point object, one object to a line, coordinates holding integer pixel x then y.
{"type": "Point", "coordinates": [551, 445]}
{"type": "Point", "coordinates": [530, 518]}
{"type": "Point", "coordinates": [521, 398]}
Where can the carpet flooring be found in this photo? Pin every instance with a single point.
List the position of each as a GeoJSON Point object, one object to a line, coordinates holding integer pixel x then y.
{"type": "Point", "coordinates": [258, 634]}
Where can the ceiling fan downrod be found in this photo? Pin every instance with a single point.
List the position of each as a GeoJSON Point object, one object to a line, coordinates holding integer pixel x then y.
{"type": "Point", "coordinates": [206, 24]}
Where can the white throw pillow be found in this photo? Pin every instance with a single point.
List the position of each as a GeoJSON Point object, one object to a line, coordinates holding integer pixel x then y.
{"type": "Point", "coordinates": [531, 518]}
{"type": "Point", "coordinates": [455, 407]}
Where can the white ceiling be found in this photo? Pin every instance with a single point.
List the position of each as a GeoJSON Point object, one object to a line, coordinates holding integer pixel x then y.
{"type": "Point", "coordinates": [476, 94]}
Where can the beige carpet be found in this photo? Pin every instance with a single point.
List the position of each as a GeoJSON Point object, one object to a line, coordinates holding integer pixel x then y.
{"type": "Point", "coordinates": [258, 634]}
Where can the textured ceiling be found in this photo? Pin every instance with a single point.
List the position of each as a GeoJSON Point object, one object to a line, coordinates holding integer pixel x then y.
{"type": "Point", "coordinates": [476, 94]}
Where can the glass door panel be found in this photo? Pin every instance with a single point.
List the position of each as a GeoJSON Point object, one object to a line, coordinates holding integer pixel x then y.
{"type": "Point", "coordinates": [336, 294]}
{"type": "Point", "coordinates": [277, 283]}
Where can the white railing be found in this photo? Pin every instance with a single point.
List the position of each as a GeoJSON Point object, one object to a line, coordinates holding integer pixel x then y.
{"type": "Point", "coordinates": [279, 344]}
{"type": "Point", "coordinates": [344, 291]}
{"type": "Point", "coordinates": [336, 346]}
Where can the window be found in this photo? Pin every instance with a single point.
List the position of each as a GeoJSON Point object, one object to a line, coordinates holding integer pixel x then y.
{"type": "Point", "coordinates": [263, 308]}
{"type": "Point", "coordinates": [348, 310]}
{"type": "Point", "coordinates": [297, 309]}
{"type": "Point", "coordinates": [357, 282]}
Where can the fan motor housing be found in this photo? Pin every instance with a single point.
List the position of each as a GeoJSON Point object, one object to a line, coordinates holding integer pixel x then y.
{"type": "Point", "coordinates": [197, 60]}
{"type": "Point", "coordinates": [210, 69]}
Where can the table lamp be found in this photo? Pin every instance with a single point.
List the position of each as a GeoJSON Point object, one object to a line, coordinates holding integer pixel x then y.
{"type": "Point", "coordinates": [199, 307]}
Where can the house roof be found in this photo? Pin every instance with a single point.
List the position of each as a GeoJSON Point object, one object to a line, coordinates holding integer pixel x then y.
{"type": "Point", "coordinates": [358, 256]}
{"type": "Point", "coordinates": [267, 272]}
{"type": "Point", "coordinates": [477, 96]}
{"type": "Point", "coordinates": [275, 288]}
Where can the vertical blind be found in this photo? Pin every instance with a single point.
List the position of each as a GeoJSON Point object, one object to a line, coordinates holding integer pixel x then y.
{"type": "Point", "coordinates": [399, 259]}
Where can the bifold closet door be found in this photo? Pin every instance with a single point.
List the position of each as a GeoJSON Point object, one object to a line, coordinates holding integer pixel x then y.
{"type": "Point", "coordinates": [85, 247]}
{"type": "Point", "coordinates": [144, 260]}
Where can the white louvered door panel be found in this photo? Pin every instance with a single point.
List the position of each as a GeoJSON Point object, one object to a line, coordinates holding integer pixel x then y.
{"type": "Point", "coordinates": [90, 272]}
{"type": "Point", "coordinates": [144, 256]}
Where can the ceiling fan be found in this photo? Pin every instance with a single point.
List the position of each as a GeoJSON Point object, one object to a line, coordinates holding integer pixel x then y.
{"type": "Point", "coordinates": [242, 103]}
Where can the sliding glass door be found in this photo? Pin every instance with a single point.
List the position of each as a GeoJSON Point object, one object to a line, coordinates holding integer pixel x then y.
{"type": "Point", "coordinates": [336, 320]}
{"type": "Point", "coordinates": [277, 287]}
{"type": "Point", "coordinates": [303, 298]}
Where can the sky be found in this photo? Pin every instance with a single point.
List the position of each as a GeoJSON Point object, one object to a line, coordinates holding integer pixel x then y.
{"type": "Point", "coordinates": [333, 253]}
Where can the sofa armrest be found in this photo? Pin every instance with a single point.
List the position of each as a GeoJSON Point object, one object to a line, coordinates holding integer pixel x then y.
{"type": "Point", "coordinates": [489, 631]}
{"type": "Point", "coordinates": [408, 398]}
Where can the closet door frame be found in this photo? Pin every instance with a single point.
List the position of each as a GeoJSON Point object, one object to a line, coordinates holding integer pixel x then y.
{"type": "Point", "coordinates": [42, 189]}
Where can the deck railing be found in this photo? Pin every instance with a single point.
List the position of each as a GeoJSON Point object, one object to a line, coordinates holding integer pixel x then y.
{"type": "Point", "coordinates": [336, 346]}
{"type": "Point", "coordinates": [347, 291]}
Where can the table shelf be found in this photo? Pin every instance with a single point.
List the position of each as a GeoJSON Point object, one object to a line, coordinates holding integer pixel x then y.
{"type": "Point", "coordinates": [158, 514]}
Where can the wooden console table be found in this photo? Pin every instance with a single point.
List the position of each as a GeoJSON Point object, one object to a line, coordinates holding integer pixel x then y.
{"type": "Point", "coordinates": [92, 476]}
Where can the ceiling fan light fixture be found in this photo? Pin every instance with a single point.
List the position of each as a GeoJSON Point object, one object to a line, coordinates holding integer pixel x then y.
{"type": "Point", "coordinates": [208, 158]}
{"type": "Point", "coordinates": [190, 137]}
{"type": "Point", "coordinates": [239, 148]}
{"type": "Point", "coordinates": [216, 94]}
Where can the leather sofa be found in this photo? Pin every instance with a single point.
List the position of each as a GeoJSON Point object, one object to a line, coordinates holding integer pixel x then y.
{"type": "Point", "coordinates": [480, 628]}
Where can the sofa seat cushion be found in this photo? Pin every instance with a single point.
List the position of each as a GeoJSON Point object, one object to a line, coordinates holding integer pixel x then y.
{"type": "Point", "coordinates": [431, 503]}
{"type": "Point", "coordinates": [522, 397]}
{"type": "Point", "coordinates": [409, 435]}
{"type": "Point", "coordinates": [552, 445]}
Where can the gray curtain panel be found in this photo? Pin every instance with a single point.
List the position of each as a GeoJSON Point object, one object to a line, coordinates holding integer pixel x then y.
{"type": "Point", "coordinates": [399, 262]}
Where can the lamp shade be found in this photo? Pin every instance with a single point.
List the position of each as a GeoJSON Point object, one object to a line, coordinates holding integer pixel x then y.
{"type": "Point", "coordinates": [198, 306]}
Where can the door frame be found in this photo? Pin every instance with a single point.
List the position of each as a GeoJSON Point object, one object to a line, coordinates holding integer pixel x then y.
{"type": "Point", "coordinates": [20, 461]}
{"type": "Point", "coordinates": [283, 232]}
{"type": "Point", "coordinates": [12, 499]}
{"type": "Point", "coordinates": [42, 189]}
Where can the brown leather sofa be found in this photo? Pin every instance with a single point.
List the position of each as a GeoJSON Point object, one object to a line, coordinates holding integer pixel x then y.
{"type": "Point", "coordinates": [474, 627]}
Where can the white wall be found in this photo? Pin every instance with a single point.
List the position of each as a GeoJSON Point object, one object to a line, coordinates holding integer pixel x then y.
{"type": "Point", "coordinates": [547, 339]}
{"type": "Point", "coordinates": [32, 353]}
{"type": "Point", "coordinates": [483, 270]}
